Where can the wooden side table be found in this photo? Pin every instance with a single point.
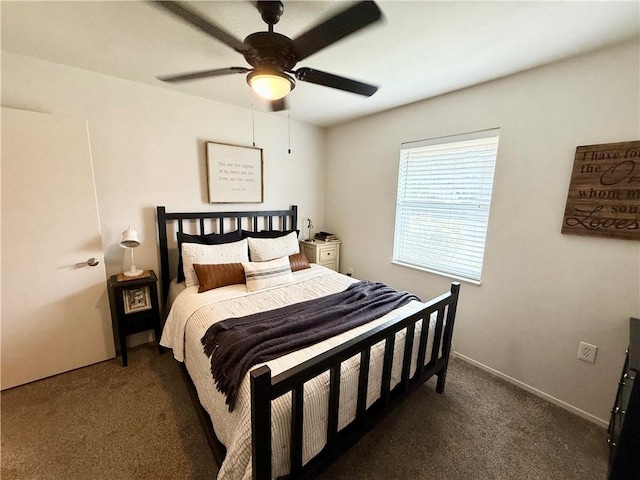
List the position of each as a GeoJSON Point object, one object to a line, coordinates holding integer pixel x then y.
{"type": "Point", "coordinates": [323, 253]}
{"type": "Point", "coordinates": [134, 308]}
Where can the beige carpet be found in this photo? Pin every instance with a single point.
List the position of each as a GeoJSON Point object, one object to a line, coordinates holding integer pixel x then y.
{"type": "Point", "coordinates": [109, 422]}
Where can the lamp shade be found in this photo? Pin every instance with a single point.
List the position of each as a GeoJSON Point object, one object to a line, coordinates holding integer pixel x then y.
{"type": "Point", "coordinates": [129, 239]}
{"type": "Point", "coordinates": [270, 85]}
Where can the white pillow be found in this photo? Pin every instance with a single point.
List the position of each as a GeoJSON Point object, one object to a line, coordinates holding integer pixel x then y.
{"type": "Point", "coordinates": [272, 273]}
{"type": "Point", "coordinates": [235, 252]}
{"type": "Point", "coordinates": [264, 249]}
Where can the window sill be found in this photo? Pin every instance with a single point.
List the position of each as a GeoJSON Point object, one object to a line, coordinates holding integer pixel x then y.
{"type": "Point", "coordinates": [435, 272]}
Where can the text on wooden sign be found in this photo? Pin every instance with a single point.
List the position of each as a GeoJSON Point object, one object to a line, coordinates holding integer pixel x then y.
{"type": "Point", "coordinates": [604, 193]}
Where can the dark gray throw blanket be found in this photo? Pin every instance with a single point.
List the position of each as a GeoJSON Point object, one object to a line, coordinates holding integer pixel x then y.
{"type": "Point", "coordinates": [236, 344]}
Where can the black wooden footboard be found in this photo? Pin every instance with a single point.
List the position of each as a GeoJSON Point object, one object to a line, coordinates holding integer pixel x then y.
{"type": "Point", "coordinates": [265, 388]}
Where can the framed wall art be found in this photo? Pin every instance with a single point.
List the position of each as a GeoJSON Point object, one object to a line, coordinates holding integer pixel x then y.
{"type": "Point", "coordinates": [234, 173]}
{"type": "Point", "coordinates": [136, 300]}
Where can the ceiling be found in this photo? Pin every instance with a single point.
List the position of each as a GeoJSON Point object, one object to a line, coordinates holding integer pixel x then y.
{"type": "Point", "coordinates": [421, 48]}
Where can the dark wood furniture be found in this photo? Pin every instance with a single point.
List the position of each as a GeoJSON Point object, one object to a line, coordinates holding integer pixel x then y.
{"type": "Point", "coordinates": [169, 224]}
{"type": "Point", "coordinates": [265, 388]}
{"type": "Point", "coordinates": [624, 427]}
{"type": "Point", "coordinates": [134, 308]}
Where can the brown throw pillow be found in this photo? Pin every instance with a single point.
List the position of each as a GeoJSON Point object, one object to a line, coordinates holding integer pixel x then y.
{"type": "Point", "coordinates": [219, 275]}
{"type": "Point", "coordinates": [208, 239]}
{"type": "Point", "coordinates": [298, 262]}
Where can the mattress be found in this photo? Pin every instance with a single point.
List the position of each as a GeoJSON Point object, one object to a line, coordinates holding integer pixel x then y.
{"type": "Point", "coordinates": [192, 314]}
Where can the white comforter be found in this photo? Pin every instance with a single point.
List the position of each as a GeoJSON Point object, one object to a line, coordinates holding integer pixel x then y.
{"type": "Point", "coordinates": [192, 314]}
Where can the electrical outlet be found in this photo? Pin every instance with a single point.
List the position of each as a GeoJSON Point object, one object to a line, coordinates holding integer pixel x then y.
{"type": "Point", "coordinates": [350, 272]}
{"type": "Point", "coordinates": [587, 352]}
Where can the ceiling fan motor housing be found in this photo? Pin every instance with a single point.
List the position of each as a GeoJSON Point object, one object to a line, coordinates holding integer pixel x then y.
{"type": "Point", "coordinates": [270, 50]}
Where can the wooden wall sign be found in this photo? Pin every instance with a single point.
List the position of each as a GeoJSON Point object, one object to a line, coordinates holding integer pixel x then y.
{"type": "Point", "coordinates": [604, 193]}
{"type": "Point", "coordinates": [234, 173]}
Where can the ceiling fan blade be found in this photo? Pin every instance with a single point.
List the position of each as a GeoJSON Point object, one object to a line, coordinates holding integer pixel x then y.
{"type": "Point", "coordinates": [334, 81]}
{"type": "Point", "coordinates": [336, 28]}
{"type": "Point", "coordinates": [194, 18]}
{"type": "Point", "coordinates": [203, 74]}
{"type": "Point", "coordinates": [278, 105]}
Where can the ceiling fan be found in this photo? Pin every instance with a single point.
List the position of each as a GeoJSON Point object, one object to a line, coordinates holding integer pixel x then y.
{"type": "Point", "coordinates": [273, 56]}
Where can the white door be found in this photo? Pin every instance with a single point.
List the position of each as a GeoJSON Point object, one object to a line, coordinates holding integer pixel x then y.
{"type": "Point", "coordinates": [55, 311]}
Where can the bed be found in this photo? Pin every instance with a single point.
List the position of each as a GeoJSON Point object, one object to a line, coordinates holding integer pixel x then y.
{"type": "Point", "coordinates": [295, 414]}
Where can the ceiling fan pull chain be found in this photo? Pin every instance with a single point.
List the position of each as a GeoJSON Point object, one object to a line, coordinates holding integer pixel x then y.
{"type": "Point", "coordinates": [289, 127]}
{"type": "Point", "coordinates": [253, 121]}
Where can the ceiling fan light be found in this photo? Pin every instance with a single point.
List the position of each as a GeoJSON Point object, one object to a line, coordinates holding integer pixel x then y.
{"type": "Point", "coordinates": [270, 85]}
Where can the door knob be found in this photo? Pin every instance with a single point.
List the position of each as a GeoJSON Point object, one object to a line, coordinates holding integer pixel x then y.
{"type": "Point", "coordinates": [92, 262]}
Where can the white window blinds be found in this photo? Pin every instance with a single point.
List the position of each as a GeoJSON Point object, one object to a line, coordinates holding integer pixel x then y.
{"type": "Point", "coordinates": [444, 196]}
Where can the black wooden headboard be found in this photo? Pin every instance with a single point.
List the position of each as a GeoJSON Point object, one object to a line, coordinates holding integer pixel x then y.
{"type": "Point", "coordinates": [169, 224]}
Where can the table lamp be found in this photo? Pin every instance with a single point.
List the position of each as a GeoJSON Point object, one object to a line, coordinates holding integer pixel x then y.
{"type": "Point", "coordinates": [309, 226]}
{"type": "Point", "coordinates": [129, 239]}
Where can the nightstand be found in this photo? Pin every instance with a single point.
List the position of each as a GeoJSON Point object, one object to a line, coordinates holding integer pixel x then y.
{"type": "Point", "coordinates": [134, 308]}
{"type": "Point", "coordinates": [323, 253]}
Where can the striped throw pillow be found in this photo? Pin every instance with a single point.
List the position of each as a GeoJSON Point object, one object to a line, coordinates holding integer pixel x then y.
{"type": "Point", "coordinates": [261, 275]}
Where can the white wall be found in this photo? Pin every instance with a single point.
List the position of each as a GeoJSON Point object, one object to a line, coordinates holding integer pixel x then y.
{"type": "Point", "coordinates": [148, 149]}
{"type": "Point", "coordinates": [542, 292]}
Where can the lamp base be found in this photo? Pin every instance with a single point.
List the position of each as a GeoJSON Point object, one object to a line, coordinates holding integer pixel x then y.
{"type": "Point", "coordinates": [133, 272]}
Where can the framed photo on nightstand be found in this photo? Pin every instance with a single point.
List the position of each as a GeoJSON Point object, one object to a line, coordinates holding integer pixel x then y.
{"type": "Point", "coordinates": [136, 300]}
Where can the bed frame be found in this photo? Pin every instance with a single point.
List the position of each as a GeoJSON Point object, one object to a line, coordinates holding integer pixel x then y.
{"type": "Point", "coordinates": [265, 388]}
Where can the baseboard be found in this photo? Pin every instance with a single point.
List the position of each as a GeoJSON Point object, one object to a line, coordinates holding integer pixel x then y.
{"type": "Point", "coordinates": [535, 391]}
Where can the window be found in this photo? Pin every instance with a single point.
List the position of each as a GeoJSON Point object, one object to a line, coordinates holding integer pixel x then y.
{"type": "Point", "coordinates": [444, 196]}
